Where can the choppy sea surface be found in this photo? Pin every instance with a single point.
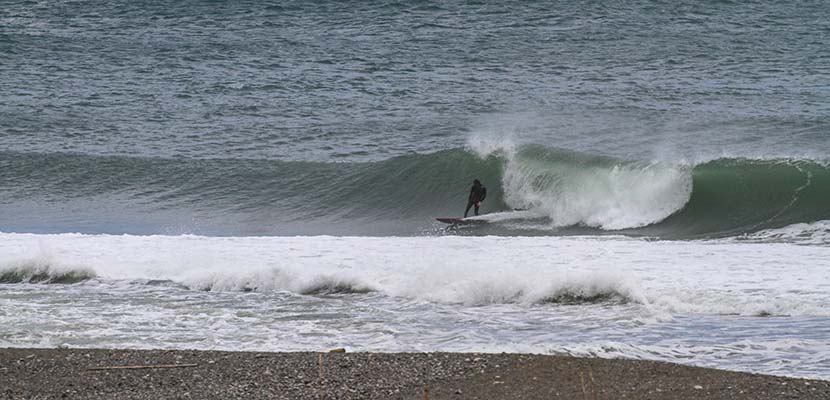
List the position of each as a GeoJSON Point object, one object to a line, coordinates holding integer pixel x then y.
{"type": "Point", "coordinates": [266, 176]}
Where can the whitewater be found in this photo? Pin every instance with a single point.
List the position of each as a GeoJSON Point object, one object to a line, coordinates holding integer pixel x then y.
{"type": "Point", "coordinates": [750, 307]}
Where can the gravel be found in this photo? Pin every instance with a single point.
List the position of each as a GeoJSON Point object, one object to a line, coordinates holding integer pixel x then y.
{"type": "Point", "coordinates": [75, 374]}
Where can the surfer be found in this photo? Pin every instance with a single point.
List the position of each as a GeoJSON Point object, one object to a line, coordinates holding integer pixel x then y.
{"type": "Point", "coordinates": [477, 194]}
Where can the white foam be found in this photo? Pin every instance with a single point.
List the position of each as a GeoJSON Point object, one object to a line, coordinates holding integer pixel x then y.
{"type": "Point", "coordinates": [689, 302]}
{"type": "Point", "coordinates": [616, 198]}
{"type": "Point", "coordinates": [664, 277]}
{"type": "Point", "coordinates": [814, 233]}
{"type": "Point", "coordinates": [781, 356]}
{"type": "Point", "coordinates": [601, 196]}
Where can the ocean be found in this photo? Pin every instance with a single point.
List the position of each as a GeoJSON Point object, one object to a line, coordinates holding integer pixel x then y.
{"type": "Point", "coordinates": [255, 175]}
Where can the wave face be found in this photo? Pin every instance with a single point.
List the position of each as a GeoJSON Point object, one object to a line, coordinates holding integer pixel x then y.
{"type": "Point", "coordinates": [559, 192]}
{"type": "Point", "coordinates": [733, 197]}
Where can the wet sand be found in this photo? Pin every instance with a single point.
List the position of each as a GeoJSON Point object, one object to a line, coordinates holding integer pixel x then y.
{"type": "Point", "coordinates": [155, 374]}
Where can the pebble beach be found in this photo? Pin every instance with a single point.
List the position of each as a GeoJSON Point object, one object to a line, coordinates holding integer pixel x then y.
{"type": "Point", "coordinates": [156, 374]}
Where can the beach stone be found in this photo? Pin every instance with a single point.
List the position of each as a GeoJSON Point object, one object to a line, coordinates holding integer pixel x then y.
{"type": "Point", "coordinates": [380, 376]}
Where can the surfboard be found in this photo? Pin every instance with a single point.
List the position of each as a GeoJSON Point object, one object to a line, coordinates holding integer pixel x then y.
{"type": "Point", "coordinates": [461, 221]}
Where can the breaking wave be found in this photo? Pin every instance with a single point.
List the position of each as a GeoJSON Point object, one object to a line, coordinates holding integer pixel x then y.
{"type": "Point", "coordinates": [700, 277]}
{"type": "Point", "coordinates": [559, 191]}
{"type": "Point", "coordinates": [43, 271]}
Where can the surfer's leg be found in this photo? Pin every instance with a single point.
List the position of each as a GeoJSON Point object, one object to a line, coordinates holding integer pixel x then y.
{"type": "Point", "coordinates": [469, 204]}
{"type": "Point", "coordinates": [477, 205]}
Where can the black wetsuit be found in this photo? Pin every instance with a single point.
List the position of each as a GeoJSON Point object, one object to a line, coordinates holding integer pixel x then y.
{"type": "Point", "coordinates": [477, 195]}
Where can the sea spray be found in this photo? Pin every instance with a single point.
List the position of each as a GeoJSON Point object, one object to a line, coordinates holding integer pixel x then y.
{"type": "Point", "coordinates": [593, 191]}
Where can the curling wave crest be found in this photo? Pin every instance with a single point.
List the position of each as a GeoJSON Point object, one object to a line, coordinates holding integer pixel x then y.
{"type": "Point", "coordinates": [556, 192]}
{"type": "Point", "coordinates": [40, 270]}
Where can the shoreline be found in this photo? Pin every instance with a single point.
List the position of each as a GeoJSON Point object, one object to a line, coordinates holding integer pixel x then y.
{"type": "Point", "coordinates": [151, 374]}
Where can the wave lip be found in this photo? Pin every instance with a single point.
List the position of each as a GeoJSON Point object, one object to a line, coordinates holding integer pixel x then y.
{"type": "Point", "coordinates": [273, 279]}
{"type": "Point", "coordinates": [575, 189]}
{"type": "Point", "coordinates": [593, 289]}
{"type": "Point", "coordinates": [579, 296]}
{"type": "Point", "coordinates": [560, 289]}
{"type": "Point", "coordinates": [41, 271]}
{"type": "Point", "coordinates": [328, 285]}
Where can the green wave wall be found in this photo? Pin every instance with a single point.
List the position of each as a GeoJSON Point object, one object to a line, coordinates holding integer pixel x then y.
{"type": "Point", "coordinates": [564, 192]}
